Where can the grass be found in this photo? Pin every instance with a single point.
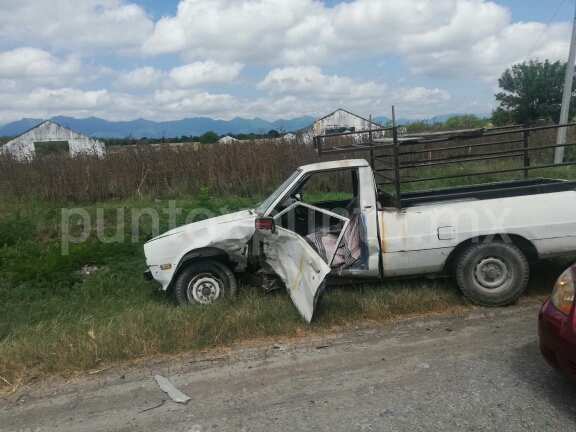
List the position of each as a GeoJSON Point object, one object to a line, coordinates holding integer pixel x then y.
{"type": "Point", "coordinates": [55, 320]}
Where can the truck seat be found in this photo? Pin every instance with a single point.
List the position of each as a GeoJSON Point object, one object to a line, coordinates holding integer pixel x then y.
{"type": "Point", "coordinates": [324, 240]}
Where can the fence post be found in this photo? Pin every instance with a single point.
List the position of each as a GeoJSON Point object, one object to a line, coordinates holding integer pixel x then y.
{"type": "Point", "coordinates": [526, 155]}
{"type": "Point", "coordinates": [370, 141]}
{"type": "Point", "coordinates": [396, 160]}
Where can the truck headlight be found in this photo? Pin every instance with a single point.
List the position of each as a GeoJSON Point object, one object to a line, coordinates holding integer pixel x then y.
{"type": "Point", "coordinates": [563, 294]}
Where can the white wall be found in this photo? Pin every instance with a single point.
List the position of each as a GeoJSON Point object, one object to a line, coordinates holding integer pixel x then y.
{"type": "Point", "coordinates": [336, 120]}
{"type": "Point", "coordinates": [23, 146]}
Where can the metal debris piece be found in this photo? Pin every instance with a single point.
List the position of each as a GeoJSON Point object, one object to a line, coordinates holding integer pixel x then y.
{"type": "Point", "coordinates": [326, 345]}
{"type": "Point", "coordinates": [167, 387]}
{"type": "Point", "coordinates": [154, 407]}
{"type": "Point", "coordinates": [20, 397]}
{"type": "Point", "coordinates": [280, 347]}
{"type": "Point", "coordinates": [70, 405]}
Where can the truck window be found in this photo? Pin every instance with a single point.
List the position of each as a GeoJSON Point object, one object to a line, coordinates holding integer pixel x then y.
{"type": "Point", "coordinates": [328, 193]}
{"type": "Point", "coordinates": [262, 207]}
{"type": "Point", "coordinates": [334, 185]}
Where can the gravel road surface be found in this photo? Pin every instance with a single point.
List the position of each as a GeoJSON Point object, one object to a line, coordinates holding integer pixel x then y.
{"type": "Point", "coordinates": [479, 371]}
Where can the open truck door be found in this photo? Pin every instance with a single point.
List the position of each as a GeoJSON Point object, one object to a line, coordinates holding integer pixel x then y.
{"type": "Point", "coordinates": [300, 268]}
{"type": "Point", "coordinates": [293, 259]}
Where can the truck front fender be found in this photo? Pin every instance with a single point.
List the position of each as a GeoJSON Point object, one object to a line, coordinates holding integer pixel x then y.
{"type": "Point", "coordinates": [200, 254]}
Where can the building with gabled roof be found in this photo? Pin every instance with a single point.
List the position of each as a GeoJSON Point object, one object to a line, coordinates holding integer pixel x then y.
{"type": "Point", "coordinates": [227, 139]}
{"type": "Point", "coordinates": [338, 121]}
{"type": "Point", "coordinates": [24, 145]}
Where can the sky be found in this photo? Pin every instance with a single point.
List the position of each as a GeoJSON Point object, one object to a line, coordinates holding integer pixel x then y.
{"type": "Point", "coordinates": [171, 59]}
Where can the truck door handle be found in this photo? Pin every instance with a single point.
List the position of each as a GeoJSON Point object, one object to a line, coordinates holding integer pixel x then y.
{"type": "Point", "coordinates": [314, 266]}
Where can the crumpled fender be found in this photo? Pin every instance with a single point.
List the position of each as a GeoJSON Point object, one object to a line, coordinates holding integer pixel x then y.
{"type": "Point", "coordinates": [230, 234]}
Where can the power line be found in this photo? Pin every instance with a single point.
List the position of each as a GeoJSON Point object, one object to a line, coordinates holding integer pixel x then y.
{"type": "Point", "coordinates": [545, 28]}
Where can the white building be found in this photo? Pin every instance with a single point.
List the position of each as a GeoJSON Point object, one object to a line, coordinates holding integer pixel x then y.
{"type": "Point", "coordinates": [23, 146]}
{"type": "Point", "coordinates": [338, 121]}
{"type": "Point", "coordinates": [227, 140]}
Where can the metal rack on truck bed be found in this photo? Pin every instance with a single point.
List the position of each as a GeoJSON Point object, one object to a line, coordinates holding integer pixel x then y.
{"type": "Point", "coordinates": [392, 155]}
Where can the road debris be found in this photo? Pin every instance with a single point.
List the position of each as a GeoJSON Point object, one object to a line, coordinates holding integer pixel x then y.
{"type": "Point", "coordinates": [325, 345]}
{"type": "Point", "coordinates": [280, 347]}
{"type": "Point", "coordinates": [154, 407]}
{"type": "Point", "coordinates": [70, 405]}
{"type": "Point", "coordinates": [20, 397]}
{"type": "Point", "coordinates": [167, 387]}
{"type": "Point", "coordinates": [423, 365]}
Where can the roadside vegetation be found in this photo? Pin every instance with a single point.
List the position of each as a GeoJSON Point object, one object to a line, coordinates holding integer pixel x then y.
{"type": "Point", "coordinates": [65, 314]}
{"type": "Point", "coordinates": [59, 319]}
{"type": "Point", "coordinates": [88, 309]}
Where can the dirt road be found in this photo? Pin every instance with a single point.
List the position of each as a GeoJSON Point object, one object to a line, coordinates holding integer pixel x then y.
{"type": "Point", "coordinates": [479, 371]}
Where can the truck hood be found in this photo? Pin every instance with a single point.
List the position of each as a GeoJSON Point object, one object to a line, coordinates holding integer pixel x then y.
{"type": "Point", "coordinates": [210, 224]}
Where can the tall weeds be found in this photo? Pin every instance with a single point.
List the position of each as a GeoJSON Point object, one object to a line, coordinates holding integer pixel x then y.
{"type": "Point", "coordinates": [245, 168]}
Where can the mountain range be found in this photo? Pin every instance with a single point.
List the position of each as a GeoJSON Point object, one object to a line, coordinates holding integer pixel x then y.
{"type": "Point", "coordinates": [195, 126]}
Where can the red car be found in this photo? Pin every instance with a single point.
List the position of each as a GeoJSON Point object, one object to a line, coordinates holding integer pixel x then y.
{"type": "Point", "coordinates": [557, 326]}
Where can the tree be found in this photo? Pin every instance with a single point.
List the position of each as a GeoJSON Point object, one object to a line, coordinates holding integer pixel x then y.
{"type": "Point", "coordinates": [130, 140]}
{"type": "Point", "coordinates": [532, 92]}
{"type": "Point", "coordinates": [208, 137]}
{"type": "Point", "coordinates": [274, 133]}
{"type": "Point", "coordinates": [465, 121]}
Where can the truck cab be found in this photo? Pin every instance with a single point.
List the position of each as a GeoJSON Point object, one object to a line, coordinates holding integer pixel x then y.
{"type": "Point", "coordinates": [483, 235]}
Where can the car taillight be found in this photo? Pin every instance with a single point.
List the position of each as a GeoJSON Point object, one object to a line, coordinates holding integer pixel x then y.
{"type": "Point", "coordinates": [266, 223]}
{"type": "Point", "coordinates": [563, 295]}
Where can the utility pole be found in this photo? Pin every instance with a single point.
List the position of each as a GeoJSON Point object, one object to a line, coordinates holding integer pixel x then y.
{"type": "Point", "coordinates": [566, 96]}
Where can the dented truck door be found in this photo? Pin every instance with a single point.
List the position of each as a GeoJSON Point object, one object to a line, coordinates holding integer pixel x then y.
{"type": "Point", "coordinates": [301, 269]}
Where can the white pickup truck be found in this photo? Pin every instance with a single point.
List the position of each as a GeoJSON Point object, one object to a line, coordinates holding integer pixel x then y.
{"type": "Point", "coordinates": [484, 236]}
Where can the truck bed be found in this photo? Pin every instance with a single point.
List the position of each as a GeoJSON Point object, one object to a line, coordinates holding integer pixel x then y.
{"type": "Point", "coordinates": [520, 187]}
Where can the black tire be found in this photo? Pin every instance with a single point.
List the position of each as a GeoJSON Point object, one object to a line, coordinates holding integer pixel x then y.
{"type": "Point", "coordinates": [492, 274]}
{"type": "Point", "coordinates": [204, 282]}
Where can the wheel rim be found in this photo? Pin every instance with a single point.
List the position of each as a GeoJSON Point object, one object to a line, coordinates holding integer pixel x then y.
{"type": "Point", "coordinates": [493, 275]}
{"type": "Point", "coordinates": [204, 288]}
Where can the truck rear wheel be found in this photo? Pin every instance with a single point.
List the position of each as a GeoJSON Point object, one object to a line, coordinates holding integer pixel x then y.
{"type": "Point", "coordinates": [492, 274]}
{"type": "Point", "coordinates": [204, 282]}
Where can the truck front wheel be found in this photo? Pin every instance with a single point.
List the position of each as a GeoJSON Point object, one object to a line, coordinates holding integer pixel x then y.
{"type": "Point", "coordinates": [204, 282]}
{"type": "Point", "coordinates": [492, 274]}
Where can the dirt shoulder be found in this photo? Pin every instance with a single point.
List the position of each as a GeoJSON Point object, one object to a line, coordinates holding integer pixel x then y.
{"type": "Point", "coordinates": [477, 370]}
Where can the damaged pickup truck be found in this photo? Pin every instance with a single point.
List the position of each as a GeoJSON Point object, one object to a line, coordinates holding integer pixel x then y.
{"type": "Point", "coordinates": [483, 235]}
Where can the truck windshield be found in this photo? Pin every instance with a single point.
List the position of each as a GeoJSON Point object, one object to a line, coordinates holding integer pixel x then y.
{"type": "Point", "coordinates": [268, 201]}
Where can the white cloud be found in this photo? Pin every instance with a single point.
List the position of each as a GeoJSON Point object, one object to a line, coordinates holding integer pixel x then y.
{"type": "Point", "coordinates": [186, 103]}
{"type": "Point", "coordinates": [74, 24]}
{"type": "Point", "coordinates": [309, 80]}
{"type": "Point", "coordinates": [147, 76]}
{"type": "Point", "coordinates": [37, 65]}
{"type": "Point", "coordinates": [160, 105]}
{"type": "Point", "coordinates": [199, 73]}
{"type": "Point", "coordinates": [174, 104]}
{"type": "Point", "coordinates": [68, 98]}
{"type": "Point", "coordinates": [436, 37]}
{"type": "Point", "coordinates": [489, 57]}
{"type": "Point", "coordinates": [420, 95]}
{"type": "Point", "coordinates": [301, 90]}
{"type": "Point", "coordinates": [440, 38]}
